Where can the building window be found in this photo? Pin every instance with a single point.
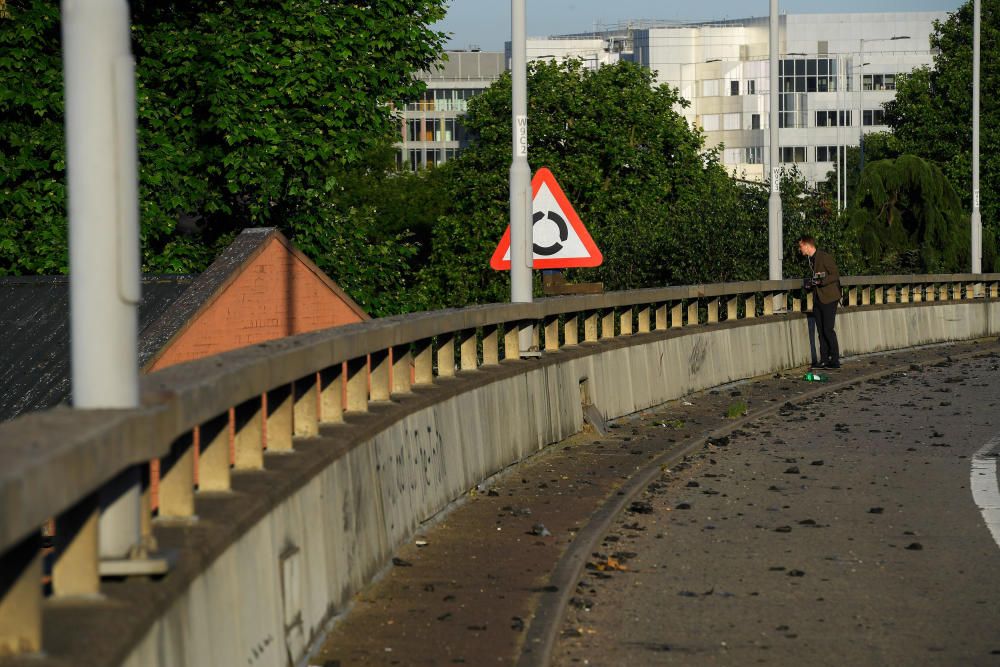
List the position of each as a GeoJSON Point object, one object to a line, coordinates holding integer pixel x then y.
{"type": "Point", "coordinates": [828, 118]}
{"type": "Point", "coordinates": [416, 159]}
{"type": "Point", "coordinates": [751, 87]}
{"type": "Point", "coordinates": [731, 121]}
{"type": "Point", "coordinates": [878, 82]}
{"type": "Point", "coordinates": [826, 153]}
{"type": "Point", "coordinates": [793, 153]}
{"type": "Point", "coordinates": [755, 121]}
{"type": "Point", "coordinates": [754, 155]}
{"type": "Point", "coordinates": [434, 129]}
{"type": "Point", "coordinates": [874, 117]}
{"type": "Point", "coordinates": [710, 88]}
{"type": "Point", "coordinates": [449, 129]}
{"type": "Point", "coordinates": [792, 110]}
{"type": "Point", "coordinates": [710, 122]}
{"type": "Point", "coordinates": [812, 75]}
{"type": "Point", "coordinates": [734, 87]}
{"type": "Point", "coordinates": [732, 156]}
{"type": "Point", "coordinates": [845, 118]}
{"type": "Point", "coordinates": [435, 156]}
{"type": "Point", "coordinates": [414, 129]}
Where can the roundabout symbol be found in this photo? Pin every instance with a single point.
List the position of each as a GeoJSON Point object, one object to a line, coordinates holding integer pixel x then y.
{"type": "Point", "coordinates": [563, 233]}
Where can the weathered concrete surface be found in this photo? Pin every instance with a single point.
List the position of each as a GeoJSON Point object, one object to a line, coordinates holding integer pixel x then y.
{"type": "Point", "coordinates": [315, 526]}
{"type": "Point", "coordinates": [841, 533]}
{"type": "Point", "coordinates": [469, 595]}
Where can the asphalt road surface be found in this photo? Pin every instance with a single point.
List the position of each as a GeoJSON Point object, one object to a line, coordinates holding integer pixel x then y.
{"type": "Point", "coordinates": [839, 532]}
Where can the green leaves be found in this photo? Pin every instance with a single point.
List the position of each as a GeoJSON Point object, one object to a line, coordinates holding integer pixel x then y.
{"type": "Point", "coordinates": [661, 208]}
{"type": "Point", "coordinates": [932, 115]}
{"type": "Point", "coordinates": [246, 111]}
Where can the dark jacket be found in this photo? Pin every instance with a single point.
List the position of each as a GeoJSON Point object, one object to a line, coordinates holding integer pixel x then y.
{"type": "Point", "coordinates": [829, 288]}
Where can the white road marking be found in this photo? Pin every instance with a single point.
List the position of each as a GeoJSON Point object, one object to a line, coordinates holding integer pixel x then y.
{"type": "Point", "coordinates": [985, 489]}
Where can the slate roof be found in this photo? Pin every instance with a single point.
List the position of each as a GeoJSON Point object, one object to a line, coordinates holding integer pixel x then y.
{"type": "Point", "coordinates": [34, 324]}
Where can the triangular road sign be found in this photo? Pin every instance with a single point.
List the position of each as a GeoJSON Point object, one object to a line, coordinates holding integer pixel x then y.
{"type": "Point", "coordinates": [559, 239]}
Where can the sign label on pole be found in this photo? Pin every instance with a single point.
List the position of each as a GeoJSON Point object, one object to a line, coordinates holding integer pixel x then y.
{"type": "Point", "coordinates": [522, 136]}
{"type": "Point", "coordinates": [559, 239]}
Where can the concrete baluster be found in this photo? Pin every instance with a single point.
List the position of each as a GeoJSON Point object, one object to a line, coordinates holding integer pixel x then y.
{"type": "Point", "coordinates": [692, 312]}
{"type": "Point", "coordinates": [21, 597]}
{"type": "Point", "coordinates": [423, 362]}
{"type": "Point", "coordinates": [661, 316]}
{"type": "Point", "coordinates": [248, 432]}
{"type": "Point", "coordinates": [279, 419]}
{"type": "Point", "coordinates": [305, 417]}
{"type": "Point", "coordinates": [75, 572]}
{"type": "Point", "coordinates": [551, 333]}
{"type": "Point", "coordinates": [446, 354]}
{"type": "Point", "coordinates": [357, 385]}
{"type": "Point", "coordinates": [917, 293]}
{"type": "Point", "coordinates": [852, 296]}
{"type": "Point", "coordinates": [643, 317]}
{"type": "Point", "coordinates": [590, 326]}
{"type": "Point", "coordinates": [768, 304]}
{"type": "Point", "coordinates": [511, 349]}
{"type": "Point", "coordinates": [571, 330]}
{"type": "Point", "coordinates": [750, 306]}
{"type": "Point", "coordinates": [879, 295]}
{"type": "Point", "coordinates": [677, 315]}
{"type": "Point", "coordinates": [176, 491]}
{"type": "Point", "coordinates": [331, 393]}
{"type": "Point", "coordinates": [379, 375]}
{"type": "Point", "coordinates": [467, 350]}
{"type": "Point", "coordinates": [491, 345]}
{"type": "Point", "coordinates": [608, 324]}
{"type": "Point", "coordinates": [713, 310]}
{"type": "Point", "coordinates": [213, 454]}
{"type": "Point", "coordinates": [402, 369]}
{"type": "Point", "coordinates": [732, 308]}
{"type": "Point", "coordinates": [625, 322]}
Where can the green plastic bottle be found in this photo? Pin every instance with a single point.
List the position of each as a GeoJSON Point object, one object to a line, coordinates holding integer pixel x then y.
{"type": "Point", "coordinates": [815, 377]}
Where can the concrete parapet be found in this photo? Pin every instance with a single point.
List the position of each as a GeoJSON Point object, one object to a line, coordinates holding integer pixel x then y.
{"type": "Point", "coordinates": [338, 454]}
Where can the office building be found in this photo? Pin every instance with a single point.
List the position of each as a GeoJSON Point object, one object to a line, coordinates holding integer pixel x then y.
{"type": "Point", "coordinates": [836, 72]}
{"type": "Point", "coordinates": [432, 130]}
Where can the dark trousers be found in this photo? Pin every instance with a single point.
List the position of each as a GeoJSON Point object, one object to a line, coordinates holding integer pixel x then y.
{"type": "Point", "coordinates": [825, 315]}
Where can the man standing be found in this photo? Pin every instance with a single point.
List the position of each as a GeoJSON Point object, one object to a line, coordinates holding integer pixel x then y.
{"type": "Point", "coordinates": [825, 284]}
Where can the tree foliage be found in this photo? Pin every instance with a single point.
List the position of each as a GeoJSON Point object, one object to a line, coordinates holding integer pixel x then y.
{"type": "Point", "coordinates": [932, 113]}
{"type": "Point", "coordinates": [909, 219]}
{"type": "Point", "coordinates": [660, 206]}
{"type": "Point", "coordinates": [247, 111]}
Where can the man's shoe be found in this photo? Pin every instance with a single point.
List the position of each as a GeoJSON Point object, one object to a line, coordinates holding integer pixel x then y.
{"type": "Point", "coordinates": [817, 365]}
{"type": "Point", "coordinates": [832, 365]}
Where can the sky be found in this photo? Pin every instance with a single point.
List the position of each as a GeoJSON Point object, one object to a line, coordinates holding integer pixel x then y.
{"type": "Point", "coordinates": [486, 23]}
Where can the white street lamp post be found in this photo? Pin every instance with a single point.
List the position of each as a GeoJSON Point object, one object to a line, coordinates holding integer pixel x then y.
{"type": "Point", "coordinates": [774, 231]}
{"type": "Point", "coordinates": [977, 223]}
{"type": "Point", "coordinates": [520, 172]}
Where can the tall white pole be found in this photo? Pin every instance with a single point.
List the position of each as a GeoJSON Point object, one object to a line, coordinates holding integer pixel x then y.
{"type": "Point", "coordinates": [861, 110]}
{"type": "Point", "coordinates": [520, 172]}
{"type": "Point", "coordinates": [102, 177]}
{"type": "Point", "coordinates": [774, 200]}
{"type": "Point", "coordinates": [977, 223]}
{"type": "Point", "coordinates": [840, 133]}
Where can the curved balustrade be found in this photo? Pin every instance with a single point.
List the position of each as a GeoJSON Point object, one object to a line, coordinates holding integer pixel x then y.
{"type": "Point", "coordinates": [210, 418]}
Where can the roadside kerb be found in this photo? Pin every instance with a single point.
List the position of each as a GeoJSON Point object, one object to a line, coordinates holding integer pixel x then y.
{"type": "Point", "coordinates": [544, 625]}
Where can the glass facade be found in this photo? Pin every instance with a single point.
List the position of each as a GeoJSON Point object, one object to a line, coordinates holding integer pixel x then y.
{"type": "Point", "coordinates": [808, 75]}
